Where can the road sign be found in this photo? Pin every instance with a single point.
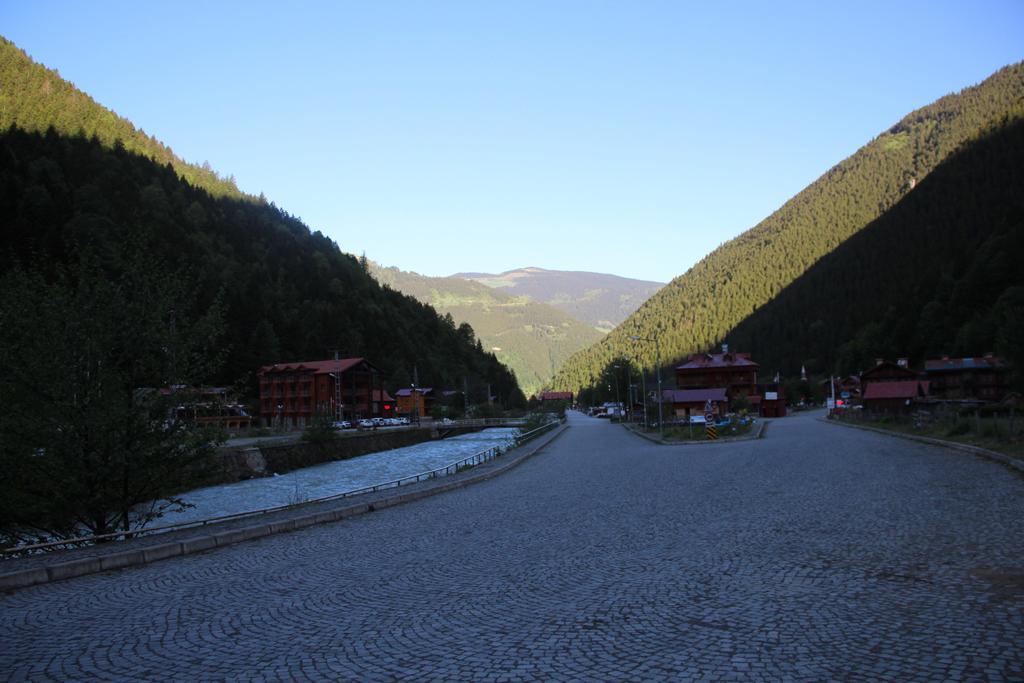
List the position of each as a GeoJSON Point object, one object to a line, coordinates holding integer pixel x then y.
{"type": "Point", "coordinates": [711, 430]}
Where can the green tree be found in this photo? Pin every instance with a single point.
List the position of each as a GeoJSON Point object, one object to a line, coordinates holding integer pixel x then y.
{"type": "Point", "coordinates": [91, 438]}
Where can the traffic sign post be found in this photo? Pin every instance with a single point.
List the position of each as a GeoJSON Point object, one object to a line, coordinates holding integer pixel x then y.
{"type": "Point", "coordinates": [709, 421]}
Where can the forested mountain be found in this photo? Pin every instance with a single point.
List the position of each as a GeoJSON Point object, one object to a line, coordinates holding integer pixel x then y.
{"type": "Point", "coordinates": [35, 98]}
{"type": "Point", "coordinates": [939, 273]}
{"type": "Point", "coordinates": [600, 300]}
{"type": "Point", "coordinates": [288, 293]}
{"type": "Point", "coordinates": [531, 338]}
{"type": "Point", "coordinates": [699, 309]}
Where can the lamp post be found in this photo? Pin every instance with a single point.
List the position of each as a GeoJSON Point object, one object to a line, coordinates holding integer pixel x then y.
{"type": "Point", "coordinates": [618, 398]}
{"type": "Point", "coordinates": [657, 361]}
{"type": "Point", "coordinates": [629, 392]}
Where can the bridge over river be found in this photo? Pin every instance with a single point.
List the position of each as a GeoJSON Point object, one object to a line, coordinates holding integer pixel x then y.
{"type": "Point", "coordinates": [818, 552]}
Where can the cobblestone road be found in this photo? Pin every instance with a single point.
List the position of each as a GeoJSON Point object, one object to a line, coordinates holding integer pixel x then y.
{"type": "Point", "coordinates": [817, 553]}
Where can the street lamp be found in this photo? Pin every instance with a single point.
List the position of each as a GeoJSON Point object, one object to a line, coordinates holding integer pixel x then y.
{"type": "Point", "coordinates": [618, 399]}
{"type": "Point", "coordinates": [657, 361]}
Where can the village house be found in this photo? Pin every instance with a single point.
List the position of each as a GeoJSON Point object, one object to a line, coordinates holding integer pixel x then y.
{"type": "Point", "coordinates": [346, 389]}
{"type": "Point", "coordinates": [887, 371]}
{"type": "Point", "coordinates": [685, 403]}
{"type": "Point", "coordinates": [735, 373]}
{"type": "Point", "coordinates": [555, 396]}
{"type": "Point", "coordinates": [414, 402]}
{"type": "Point", "coordinates": [985, 379]}
{"type": "Point", "coordinates": [770, 400]}
{"type": "Point", "coordinates": [894, 396]}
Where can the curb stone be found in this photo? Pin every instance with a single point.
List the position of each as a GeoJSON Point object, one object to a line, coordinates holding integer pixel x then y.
{"type": "Point", "coordinates": [121, 559]}
{"type": "Point", "coordinates": [762, 425]}
{"type": "Point", "coordinates": [995, 456]}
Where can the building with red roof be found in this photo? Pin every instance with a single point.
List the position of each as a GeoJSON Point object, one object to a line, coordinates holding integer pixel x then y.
{"type": "Point", "coordinates": [887, 371]}
{"type": "Point", "coordinates": [736, 373]}
{"type": "Point", "coordinates": [346, 388]}
{"type": "Point", "coordinates": [414, 402]}
{"type": "Point", "coordinates": [687, 402]}
{"type": "Point", "coordinates": [555, 396]}
{"type": "Point", "coordinates": [893, 395]}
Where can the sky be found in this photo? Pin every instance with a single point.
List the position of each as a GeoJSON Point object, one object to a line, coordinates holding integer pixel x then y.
{"type": "Point", "coordinates": [626, 137]}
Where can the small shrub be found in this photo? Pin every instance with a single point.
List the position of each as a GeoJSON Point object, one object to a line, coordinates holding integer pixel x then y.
{"type": "Point", "coordinates": [959, 428]}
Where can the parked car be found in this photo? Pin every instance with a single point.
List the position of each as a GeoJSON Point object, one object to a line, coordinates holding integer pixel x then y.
{"type": "Point", "coordinates": [367, 423]}
{"type": "Point", "coordinates": [697, 419]}
{"type": "Point", "coordinates": [344, 424]}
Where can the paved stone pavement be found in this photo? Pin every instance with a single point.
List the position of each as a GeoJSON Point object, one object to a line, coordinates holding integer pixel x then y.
{"type": "Point", "coordinates": [816, 553]}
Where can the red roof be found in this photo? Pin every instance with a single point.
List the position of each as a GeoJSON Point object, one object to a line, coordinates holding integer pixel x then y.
{"type": "Point", "coordinates": [694, 395]}
{"type": "Point", "coordinates": [879, 390]}
{"type": "Point", "coordinates": [556, 396]}
{"type": "Point", "coordinates": [701, 361]}
{"type": "Point", "coordinates": [318, 367]}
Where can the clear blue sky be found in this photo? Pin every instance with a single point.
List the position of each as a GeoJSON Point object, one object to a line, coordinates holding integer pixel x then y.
{"type": "Point", "coordinates": [624, 137]}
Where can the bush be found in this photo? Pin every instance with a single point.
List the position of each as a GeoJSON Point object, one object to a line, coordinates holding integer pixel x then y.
{"type": "Point", "coordinates": [320, 429]}
{"type": "Point", "coordinates": [959, 428]}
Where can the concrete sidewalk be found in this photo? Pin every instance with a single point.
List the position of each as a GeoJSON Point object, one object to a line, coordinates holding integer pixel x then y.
{"type": "Point", "coordinates": [54, 566]}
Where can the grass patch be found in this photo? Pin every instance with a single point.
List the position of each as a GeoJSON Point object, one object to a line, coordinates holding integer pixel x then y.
{"type": "Point", "coordinates": [999, 434]}
{"type": "Point", "coordinates": [683, 432]}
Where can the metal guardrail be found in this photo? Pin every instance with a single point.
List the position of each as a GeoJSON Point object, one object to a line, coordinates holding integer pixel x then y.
{"type": "Point", "coordinates": [450, 468]}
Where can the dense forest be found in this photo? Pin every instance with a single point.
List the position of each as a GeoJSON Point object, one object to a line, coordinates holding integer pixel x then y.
{"type": "Point", "coordinates": [939, 273]}
{"type": "Point", "coordinates": [699, 309]}
{"type": "Point", "coordinates": [289, 294]}
{"type": "Point", "coordinates": [35, 98]}
{"type": "Point", "coordinates": [75, 178]}
{"type": "Point", "coordinates": [531, 338]}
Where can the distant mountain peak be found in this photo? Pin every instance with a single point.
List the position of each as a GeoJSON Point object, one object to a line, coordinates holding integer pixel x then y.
{"type": "Point", "coordinates": [601, 300]}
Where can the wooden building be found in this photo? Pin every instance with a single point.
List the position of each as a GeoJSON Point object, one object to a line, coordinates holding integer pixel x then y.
{"type": "Point", "coordinates": [555, 396]}
{"type": "Point", "coordinates": [986, 378]}
{"type": "Point", "coordinates": [347, 388]}
{"type": "Point", "coordinates": [735, 372]}
{"type": "Point", "coordinates": [893, 396]}
{"type": "Point", "coordinates": [414, 402]}
{"type": "Point", "coordinates": [886, 371]}
{"type": "Point", "coordinates": [687, 402]}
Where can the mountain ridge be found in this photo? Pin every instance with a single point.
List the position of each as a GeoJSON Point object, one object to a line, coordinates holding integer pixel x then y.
{"type": "Point", "coordinates": [697, 310]}
{"type": "Point", "coordinates": [601, 300]}
{"type": "Point", "coordinates": [75, 178]}
{"type": "Point", "coordinates": [531, 337]}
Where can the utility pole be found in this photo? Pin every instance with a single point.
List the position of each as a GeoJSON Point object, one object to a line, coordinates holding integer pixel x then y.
{"type": "Point", "coordinates": [661, 396]}
{"type": "Point", "coordinates": [337, 387]}
{"type": "Point", "coordinates": [618, 398]}
{"type": "Point", "coordinates": [629, 391]}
